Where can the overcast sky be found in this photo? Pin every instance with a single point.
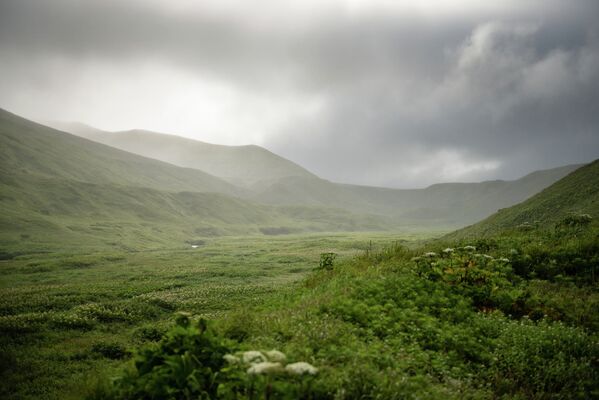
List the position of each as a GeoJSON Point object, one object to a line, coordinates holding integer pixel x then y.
{"type": "Point", "coordinates": [385, 93]}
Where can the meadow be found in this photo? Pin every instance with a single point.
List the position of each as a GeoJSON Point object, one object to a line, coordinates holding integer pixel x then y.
{"type": "Point", "coordinates": [511, 316]}
{"type": "Point", "coordinates": [69, 319]}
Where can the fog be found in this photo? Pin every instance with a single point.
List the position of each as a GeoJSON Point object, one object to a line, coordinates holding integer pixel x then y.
{"type": "Point", "coordinates": [379, 93]}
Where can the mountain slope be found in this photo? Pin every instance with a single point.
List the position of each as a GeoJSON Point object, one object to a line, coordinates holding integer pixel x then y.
{"type": "Point", "coordinates": [276, 181]}
{"type": "Point", "coordinates": [577, 193]}
{"type": "Point", "coordinates": [59, 191]}
{"type": "Point", "coordinates": [241, 165]}
{"type": "Point", "coordinates": [450, 204]}
{"type": "Point", "coordinates": [28, 148]}
{"type": "Point", "coordinates": [43, 213]}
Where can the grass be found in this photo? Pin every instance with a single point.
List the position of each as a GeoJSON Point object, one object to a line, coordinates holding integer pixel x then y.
{"type": "Point", "coordinates": [377, 327]}
{"type": "Point", "coordinates": [67, 317]}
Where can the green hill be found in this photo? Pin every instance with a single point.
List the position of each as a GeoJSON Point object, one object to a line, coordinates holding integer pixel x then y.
{"type": "Point", "coordinates": [274, 180]}
{"type": "Point", "coordinates": [447, 204]}
{"type": "Point", "coordinates": [575, 194]}
{"type": "Point", "coordinates": [57, 189]}
{"type": "Point", "coordinates": [241, 165]}
{"type": "Point", "coordinates": [31, 149]}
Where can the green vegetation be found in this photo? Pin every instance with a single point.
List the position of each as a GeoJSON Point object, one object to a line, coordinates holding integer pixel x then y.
{"type": "Point", "coordinates": [122, 278]}
{"type": "Point", "coordinates": [68, 316]}
{"type": "Point", "coordinates": [58, 191]}
{"type": "Point", "coordinates": [571, 197]}
{"type": "Point", "coordinates": [509, 315]}
{"type": "Point", "coordinates": [270, 179]}
{"type": "Point", "coordinates": [466, 322]}
{"type": "Point", "coordinates": [240, 165]}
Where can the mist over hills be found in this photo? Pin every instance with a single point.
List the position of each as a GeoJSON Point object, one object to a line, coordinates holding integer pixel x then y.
{"type": "Point", "coordinates": [277, 181]}
{"type": "Point", "coordinates": [575, 194]}
{"type": "Point", "coordinates": [241, 165]}
{"type": "Point", "coordinates": [56, 186]}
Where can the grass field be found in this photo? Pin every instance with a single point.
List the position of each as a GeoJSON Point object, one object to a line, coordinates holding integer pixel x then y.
{"type": "Point", "coordinates": [67, 318]}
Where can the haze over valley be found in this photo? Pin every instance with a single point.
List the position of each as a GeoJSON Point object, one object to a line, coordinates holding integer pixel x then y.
{"type": "Point", "coordinates": [299, 199]}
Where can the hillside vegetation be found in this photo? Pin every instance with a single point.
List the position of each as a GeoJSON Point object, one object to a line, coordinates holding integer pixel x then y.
{"type": "Point", "coordinates": [508, 315]}
{"type": "Point", "coordinates": [577, 194]}
{"type": "Point", "coordinates": [241, 165]}
{"type": "Point", "coordinates": [32, 150]}
{"type": "Point", "coordinates": [271, 179]}
{"type": "Point", "coordinates": [61, 191]}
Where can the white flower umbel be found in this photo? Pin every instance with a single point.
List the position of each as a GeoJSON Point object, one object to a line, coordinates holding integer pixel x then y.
{"type": "Point", "coordinates": [469, 248]}
{"type": "Point", "coordinates": [253, 357]}
{"type": "Point", "coordinates": [265, 367]}
{"type": "Point", "coordinates": [448, 250]}
{"type": "Point", "coordinates": [430, 254]}
{"type": "Point", "coordinates": [276, 356]}
{"type": "Point", "coordinates": [301, 368]}
{"type": "Point", "coordinates": [231, 359]}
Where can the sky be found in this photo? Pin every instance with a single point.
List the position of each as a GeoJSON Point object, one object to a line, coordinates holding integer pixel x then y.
{"type": "Point", "coordinates": [375, 92]}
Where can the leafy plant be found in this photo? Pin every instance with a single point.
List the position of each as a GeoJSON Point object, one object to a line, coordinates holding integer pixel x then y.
{"type": "Point", "coordinates": [327, 260]}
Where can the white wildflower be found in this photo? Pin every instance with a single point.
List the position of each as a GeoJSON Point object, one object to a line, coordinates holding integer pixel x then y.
{"type": "Point", "coordinates": [231, 359]}
{"type": "Point", "coordinates": [264, 368]}
{"type": "Point", "coordinates": [430, 254]}
{"type": "Point", "coordinates": [448, 250]}
{"type": "Point", "coordinates": [469, 248]}
{"type": "Point", "coordinates": [301, 368]}
{"type": "Point", "coordinates": [276, 356]}
{"type": "Point", "coordinates": [503, 259]}
{"type": "Point", "coordinates": [488, 257]}
{"type": "Point", "coordinates": [253, 357]}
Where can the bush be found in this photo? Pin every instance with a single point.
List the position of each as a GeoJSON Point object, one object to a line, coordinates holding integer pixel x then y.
{"type": "Point", "coordinates": [327, 260]}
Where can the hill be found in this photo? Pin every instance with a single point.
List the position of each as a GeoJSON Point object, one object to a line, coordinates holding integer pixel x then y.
{"type": "Point", "coordinates": [447, 204]}
{"type": "Point", "coordinates": [271, 179]}
{"type": "Point", "coordinates": [241, 165]}
{"type": "Point", "coordinates": [31, 149]}
{"type": "Point", "coordinates": [575, 194]}
{"type": "Point", "coordinates": [59, 190]}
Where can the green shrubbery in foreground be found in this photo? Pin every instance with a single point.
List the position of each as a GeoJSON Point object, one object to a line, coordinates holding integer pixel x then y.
{"type": "Point", "coordinates": [510, 317]}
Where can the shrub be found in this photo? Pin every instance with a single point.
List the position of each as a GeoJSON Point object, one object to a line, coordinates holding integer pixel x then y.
{"type": "Point", "coordinates": [327, 260]}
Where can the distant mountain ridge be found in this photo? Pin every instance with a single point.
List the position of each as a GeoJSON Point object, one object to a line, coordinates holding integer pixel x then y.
{"type": "Point", "coordinates": [271, 179]}
{"type": "Point", "coordinates": [241, 165]}
{"type": "Point", "coordinates": [58, 190]}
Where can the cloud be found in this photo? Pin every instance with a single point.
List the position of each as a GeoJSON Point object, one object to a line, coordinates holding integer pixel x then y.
{"type": "Point", "coordinates": [373, 92]}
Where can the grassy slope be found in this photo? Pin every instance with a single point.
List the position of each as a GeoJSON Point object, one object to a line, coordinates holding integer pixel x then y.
{"type": "Point", "coordinates": [275, 180]}
{"type": "Point", "coordinates": [30, 149]}
{"type": "Point", "coordinates": [241, 165]}
{"type": "Point", "coordinates": [50, 213]}
{"type": "Point", "coordinates": [576, 193]}
{"type": "Point", "coordinates": [448, 204]}
{"type": "Point", "coordinates": [59, 190]}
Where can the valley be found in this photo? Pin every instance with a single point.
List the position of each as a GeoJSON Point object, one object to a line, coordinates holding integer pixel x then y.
{"type": "Point", "coordinates": [123, 276]}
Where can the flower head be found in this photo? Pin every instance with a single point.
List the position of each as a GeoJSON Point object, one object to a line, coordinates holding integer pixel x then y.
{"type": "Point", "coordinates": [469, 248]}
{"type": "Point", "coordinates": [448, 250]}
{"type": "Point", "coordinates": [276, 356]}
{"type": "Point", "coordinates": [265, 367]}
{"type": "Point", "coordinates": [430, 254]}
{"type": "Point", "coordinates": [253, 357]}
{"type": "Point", "coordinates": [301, 368]}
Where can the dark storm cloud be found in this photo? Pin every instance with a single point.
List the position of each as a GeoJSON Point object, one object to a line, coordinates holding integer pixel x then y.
{"type": "Point", "coordinates": [402, 97]}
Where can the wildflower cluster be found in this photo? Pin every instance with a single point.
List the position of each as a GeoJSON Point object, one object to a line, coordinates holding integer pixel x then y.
{"type": "Point", "coordinates": [193, 361]}
{"type": "Point", "coordinates": [480, 276]}
{"type": "Point", "coordinates": [264, 374]}
{"type": "Point", "coordinates": [269, 362]}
